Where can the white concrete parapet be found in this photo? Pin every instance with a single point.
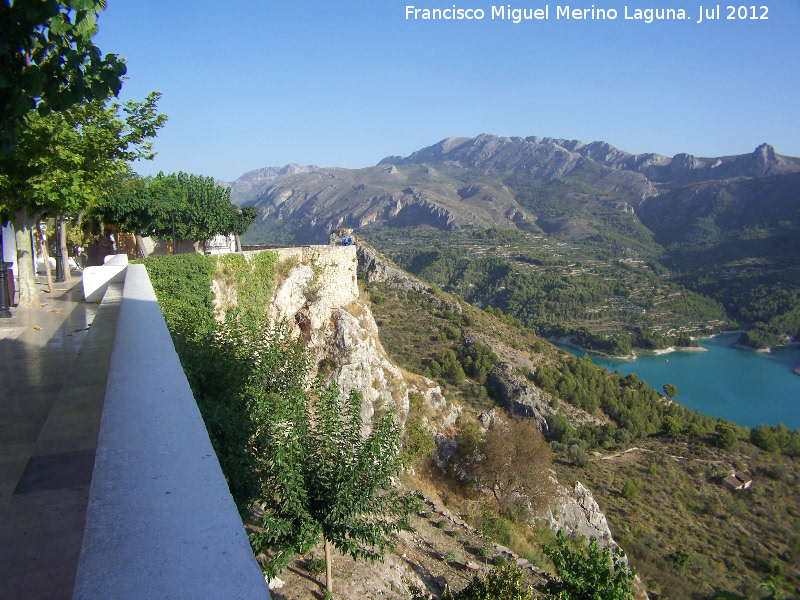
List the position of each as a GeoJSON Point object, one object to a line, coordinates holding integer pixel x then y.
{"type": "Point", "coordinates": [97, 279]}
{"type": "Point", "coordinates": [160, 522]}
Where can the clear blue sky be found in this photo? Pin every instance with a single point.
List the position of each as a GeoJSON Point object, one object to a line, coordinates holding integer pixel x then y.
{"type": "Point", "coordinates": [254, 83]}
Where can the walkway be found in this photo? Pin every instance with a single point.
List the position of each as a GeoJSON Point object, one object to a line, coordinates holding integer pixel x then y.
{"type": "Point", "coordinates": [53, 370]}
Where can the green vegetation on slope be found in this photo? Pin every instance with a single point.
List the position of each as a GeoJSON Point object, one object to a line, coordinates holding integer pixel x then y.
{"type": "Point", "coordinates": [557, 288]}
{"type": "Point", "coordinates": [687, 535]}
{"type": "Point", "coordinates": [297, 452]}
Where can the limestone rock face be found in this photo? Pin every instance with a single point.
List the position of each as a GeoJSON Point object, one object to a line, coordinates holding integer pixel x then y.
{"type": "Point", "coordinates": [364, 365]}
{"type": "Point", "coordinates": [578, 514]}
{"type": "Point", "coordinates": [319, 300]}
{"type": "Point", "coordinates": [520, 397]}
{"type": "Point", "coordinates": [427, 388]}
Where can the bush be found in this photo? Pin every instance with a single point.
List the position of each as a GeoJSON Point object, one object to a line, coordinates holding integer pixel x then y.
{"type": "Point", "coordinates": [418, 441]}
{"type": "Point", "coordinates": [629, 491]}
{"type": "Point", "coordinates": [578, 455]}
{"type": "Point", "coordinates": [680, 560]}
{"type": "Point", "coordinates": [501, 583]}
{"type": "Point", "coordinates": [495, 527]}
{"type": "Point", "coordinates": [315, 566]}
{"type": "Point", "coordinates": [588, 575]}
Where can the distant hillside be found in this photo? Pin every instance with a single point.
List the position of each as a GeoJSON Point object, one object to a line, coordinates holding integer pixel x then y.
{"type": "Point", "coordinates": [727, 227]}
{"type": "Point", "coordinates": [252, 184]}
{"type": "Point", "coordinates": [556, 186]}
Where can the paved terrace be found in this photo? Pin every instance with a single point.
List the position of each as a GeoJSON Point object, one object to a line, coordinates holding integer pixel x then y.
{"type": "Point", "coordinates": [108, 484]}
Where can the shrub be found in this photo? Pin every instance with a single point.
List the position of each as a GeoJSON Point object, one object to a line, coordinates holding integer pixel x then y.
{"type": "Point", "coordinates": [629, 491]}
{"type": "Point", "coordinates": [680, 560]}
{"type": "Point", "coordinates": [588, 575]}
{"type": "Point", "coordinates": [315, 566]}
{"type": "Point", "coordinates": [495, 527]}
{"type": "Point", "coordinates": [578, 455]}
{"type": "Point", "coordinates": [418, 441]}
{"type": "Point", "coordinates": [499, 560]}
{"type": "Point", "coordinates": [501, 583]}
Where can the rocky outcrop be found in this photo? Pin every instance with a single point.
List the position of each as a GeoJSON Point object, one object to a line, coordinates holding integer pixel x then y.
{"type": "Point", "coordinates": [520, 397]}
{"type": "Point", "coordinates": [428, 389]}
{"type": "Point", "coordinates": [375, 267]}
{"type": "Point", "coordinates": [319, 300]}
{"type": "Point", "coordinates": [363, 364]}
{"type": "Point", "coordinates": [577, 513]}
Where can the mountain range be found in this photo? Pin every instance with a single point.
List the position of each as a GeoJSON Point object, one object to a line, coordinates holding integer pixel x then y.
{"type": "Point", "coordinates": [541, 185]}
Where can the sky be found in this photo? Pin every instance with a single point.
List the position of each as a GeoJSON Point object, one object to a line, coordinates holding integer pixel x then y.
{"type": "Point", "coordinates": [254, 83]}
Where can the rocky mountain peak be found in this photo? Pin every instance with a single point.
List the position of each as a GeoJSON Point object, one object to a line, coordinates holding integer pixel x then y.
{"type": "Point", "coordinates": [253, 183]}
{"type": "Point", "coordinates": [765, 154]}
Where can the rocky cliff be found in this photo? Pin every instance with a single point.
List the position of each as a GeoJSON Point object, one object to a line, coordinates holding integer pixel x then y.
{"type": "Point", "coordinates": [319, 299]}
{"type": "Point", "coordinates": [318, 296]}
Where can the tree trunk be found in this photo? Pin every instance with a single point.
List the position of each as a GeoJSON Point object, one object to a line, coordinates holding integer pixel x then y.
{"type": "Point", "coordinates": [28, 295]}
{"type": "Point", "coordinates": [328, 578]}
{"type": "Point", "coordinates": [46, 257]}
{"type": "Point", "coordinates": [238, 243]}
{"type": "Point", "coordinates": [141, 251]}
{"type": "Point", "coordinates": [62, 223]}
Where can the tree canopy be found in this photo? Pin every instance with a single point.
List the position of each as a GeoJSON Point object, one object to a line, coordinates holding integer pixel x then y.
{"type": "Point", "coordinates": [68, 161]}
{"type": "Point", "coordinates": [201, 209]}
{"type": "Point", "coordinates": [48, 61]}
{"type": "Point", "coordinates": [65, 162]}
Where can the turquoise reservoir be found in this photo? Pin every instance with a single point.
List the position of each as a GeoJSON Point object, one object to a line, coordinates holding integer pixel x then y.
{"type": "Point", "coordinates": [745, 387]}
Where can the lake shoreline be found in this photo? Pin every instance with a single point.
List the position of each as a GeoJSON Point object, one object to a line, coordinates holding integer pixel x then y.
{"type": "Point", "coordinates": [567, 341]}
{"type": "Point", "coordinates": [747, 388]}
{"type": "Point", "coordinates": [769, 350]}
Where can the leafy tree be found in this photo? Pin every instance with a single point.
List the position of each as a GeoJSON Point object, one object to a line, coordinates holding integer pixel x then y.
{"type": "Point", "coordinates": [512, 462]}
{"type": "Point", "coordinates": [48, 61]}
{"type": "Point", "coordinates": [241, 221]}
{"type": "Point", "coordinates": [670, 390]}
{"type": "Point", "coordinates": [322, 479]}
{"type": "Point", "coordinates": [764, 437]}
{"type": "Point", "coordinates": [65, 162]}
{"type": "Point", "coordinates": [726, 436]}
{"type": "Point", "coordinates": [199, 208]}
{"type": "Point", "coordinates": [590, 575]}
{"type": "Point", "coordinates": [672, 425]}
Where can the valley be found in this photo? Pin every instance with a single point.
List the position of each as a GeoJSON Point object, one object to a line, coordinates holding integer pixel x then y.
{"type": "Point", "coordinates": [516, 241]}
